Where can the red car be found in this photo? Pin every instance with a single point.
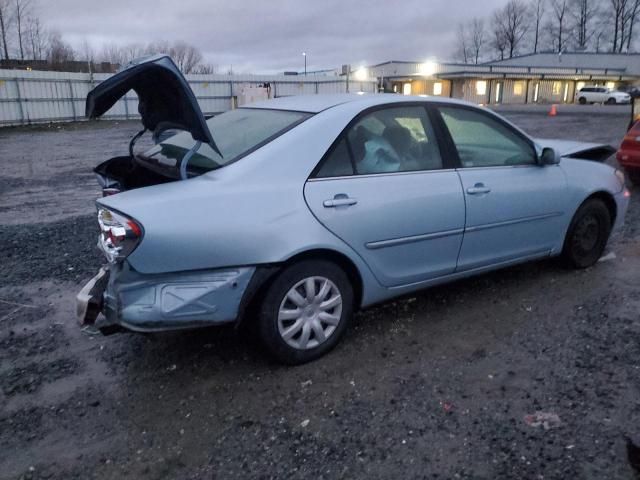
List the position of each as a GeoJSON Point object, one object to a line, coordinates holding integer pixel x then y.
{"type": "Point", "coordinates": [629, 153]}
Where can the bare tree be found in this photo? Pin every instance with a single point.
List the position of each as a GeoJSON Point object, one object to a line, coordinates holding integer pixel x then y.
{"type": "Point", "coordinates": [133, 51]}
{"type": "Point", "coordinates": [20, 15]}
{"type": "Point", "coordinates": [511, 20]}
{"type": "Point", "coordinates": [477, 38]}
{"type": "Point", "coordinates": [37, 37]}
{"type": "Point", "coordinates": [5, 24]}
{"type": "Point", "coordinates": [582, 12]}
{"type": "Point", "coordinates": [499, 39]}
{"type": "Point", "coordinates": [162, 46]}
{"type": "Point", "coordinates": [633, 17]}
{"type": "Point", "coordinates": [462, 50]}
{"type": "Point", "coordinates": [558, 27]}
{"type": "Point", "coordinates": [619, 10]}
{"type": "Point", "coordinates": [537, 11]}
{"type": "Point", "coordinates": [205, 69]}
{"type": "Point", "coordinates": [111, 53]}
{"type": "Point", "coordinates": [186, 56]}
{"type": "Point", "coordinates": [60, 52]}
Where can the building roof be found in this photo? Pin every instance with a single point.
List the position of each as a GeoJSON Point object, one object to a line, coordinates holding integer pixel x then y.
{"type": "Point", "coordinates": [585, 67]}
{"type": "Point", "coordinates": [629, 62]}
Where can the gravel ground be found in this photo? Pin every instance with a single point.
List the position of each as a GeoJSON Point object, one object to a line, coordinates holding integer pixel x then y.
{"type": "Point", "coordinates": [445, 384]}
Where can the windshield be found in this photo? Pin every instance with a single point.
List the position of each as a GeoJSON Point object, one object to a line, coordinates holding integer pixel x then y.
{"type": "Point", "coordinates": [236, 133]}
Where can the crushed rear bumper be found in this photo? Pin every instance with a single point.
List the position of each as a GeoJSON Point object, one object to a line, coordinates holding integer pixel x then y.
{"type": "Point", "coordinates": [159, 302]}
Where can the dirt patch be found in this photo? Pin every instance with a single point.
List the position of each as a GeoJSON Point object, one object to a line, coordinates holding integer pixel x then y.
{"type": "Point", "coordinates": [27, 378]}
{"type": "Point", "coordinates": [64, 250]}
{"type": "Point", "coordinates": [439, 385]}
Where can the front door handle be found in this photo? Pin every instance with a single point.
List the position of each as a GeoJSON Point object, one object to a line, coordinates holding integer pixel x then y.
{"type": "Point", "coordinates": [340, 200]}
{"type": "Point", "coordinates": [478, 188]}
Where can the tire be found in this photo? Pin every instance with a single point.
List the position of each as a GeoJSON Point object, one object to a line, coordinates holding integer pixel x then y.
{"type": "Point", "coordinates": [587, 235]}
{"type": "Point", "coordinates": [610, 101]}
{"type": "Point", "coordinates": [278, 311]}
{"type": "Point", "coordinates": [582, 101]}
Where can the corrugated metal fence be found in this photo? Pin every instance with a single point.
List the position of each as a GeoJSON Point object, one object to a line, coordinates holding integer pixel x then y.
{"type": "Point", "coordinates": [39, 96]}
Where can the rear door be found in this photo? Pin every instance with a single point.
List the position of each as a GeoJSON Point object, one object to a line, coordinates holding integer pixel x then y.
{"type": "Point", "coordinates": [515, 206]}
{"type": "Point", "coordinates": [384, 189]}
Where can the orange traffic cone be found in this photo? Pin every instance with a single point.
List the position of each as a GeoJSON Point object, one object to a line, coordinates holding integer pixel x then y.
{"type": "Point", "coordinates": [554, 110]}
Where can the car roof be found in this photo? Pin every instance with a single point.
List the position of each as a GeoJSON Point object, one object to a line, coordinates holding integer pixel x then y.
{"type": "Point", "coordinates": [318, 103]}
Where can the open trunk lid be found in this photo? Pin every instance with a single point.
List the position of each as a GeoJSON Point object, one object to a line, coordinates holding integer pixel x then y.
{"type": "Point", "coordinates": [165, 98]}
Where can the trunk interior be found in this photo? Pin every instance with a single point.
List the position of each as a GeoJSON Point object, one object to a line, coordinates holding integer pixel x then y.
{"type": "Point", "coordinates": [125, 173]}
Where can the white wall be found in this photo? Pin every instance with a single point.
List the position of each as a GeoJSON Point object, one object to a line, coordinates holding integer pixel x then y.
{"type": "Point", "coordinates": [39, 96]}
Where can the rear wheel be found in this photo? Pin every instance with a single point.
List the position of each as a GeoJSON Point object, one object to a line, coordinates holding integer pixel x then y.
{"type": "Point", "coordinates": [582, 100]}
{"type": "Point", "coordinates": [305, 311]}
{"type": "Point", "coordinates": [587, 235]}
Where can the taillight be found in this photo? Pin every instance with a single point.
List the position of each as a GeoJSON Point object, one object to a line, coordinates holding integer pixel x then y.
{"type": "Point", "coordinates": [107, 192]}
{"type": "Point", "coordinates": [119, 235]}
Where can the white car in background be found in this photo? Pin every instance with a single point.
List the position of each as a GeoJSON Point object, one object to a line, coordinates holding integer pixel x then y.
{"type": "Point", "coordinates": [601, 95]}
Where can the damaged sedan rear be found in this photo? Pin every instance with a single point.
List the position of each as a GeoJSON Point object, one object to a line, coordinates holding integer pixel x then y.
{"type": "Point", "coordinates": [295, 212]}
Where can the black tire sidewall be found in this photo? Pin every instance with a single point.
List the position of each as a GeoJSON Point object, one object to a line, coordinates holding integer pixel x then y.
{"type": "Point", "coordinates": [268, 317]}
{"type": "Point", "coordinates": [582, 101]}
{"type": "Point", "coordinates": [601, 212]}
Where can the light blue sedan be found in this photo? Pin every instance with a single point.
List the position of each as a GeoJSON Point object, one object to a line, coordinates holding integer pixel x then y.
{"type": "Point", "coordinates": [293, 213]}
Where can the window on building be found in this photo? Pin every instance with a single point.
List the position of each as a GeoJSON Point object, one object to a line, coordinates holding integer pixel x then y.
{"type": "Point", "coordinates": [580, 85]}
{"type": "Point", "coordinates": [611, 85]}
{"type": "Point", "coordinates": [406, 89]}
{"type": "Point", "coordinates": [481, 87]}
{"type": "Point", "coordinates": [557, 88]}
{"type": "Point", "coordinates": [437, 88]}
{"type": "Point", "coordinates": [518, 88]}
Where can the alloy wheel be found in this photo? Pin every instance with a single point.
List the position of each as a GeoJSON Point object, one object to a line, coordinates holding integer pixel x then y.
{"type": "Point", "coordinates": [310, 312]}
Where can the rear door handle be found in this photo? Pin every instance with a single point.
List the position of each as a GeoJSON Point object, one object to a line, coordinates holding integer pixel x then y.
{"type": "Point", "coordinates": [340, 200]}
{"type": "Point", "coordinates": [478, 188]}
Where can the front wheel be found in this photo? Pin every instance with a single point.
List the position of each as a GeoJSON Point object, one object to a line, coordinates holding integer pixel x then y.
{"type": "Point", "coordinates": [587, 235]}
{"type": "Point", "coordinates": [305, 311]}
{"type": "Point", "coordinates": [610, 101]}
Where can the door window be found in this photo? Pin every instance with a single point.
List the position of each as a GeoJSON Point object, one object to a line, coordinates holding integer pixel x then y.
{"type": "Point", "coordinates": [397, 139]}
{"type": "Point", "coordinates": [337, 163]}
{"type": "Point", "coordinates": [482, 141]}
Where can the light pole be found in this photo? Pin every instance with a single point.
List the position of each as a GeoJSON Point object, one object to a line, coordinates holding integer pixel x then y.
{"type": "Point", "coordinates": [304, 54]}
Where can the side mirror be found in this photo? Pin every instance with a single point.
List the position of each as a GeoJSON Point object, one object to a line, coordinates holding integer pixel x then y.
{"type": "Point", "coordinates": [549, 156]}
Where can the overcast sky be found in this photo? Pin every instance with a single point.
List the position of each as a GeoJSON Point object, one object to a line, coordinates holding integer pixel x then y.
{"type": "Point", "coordinates": [270, 36]}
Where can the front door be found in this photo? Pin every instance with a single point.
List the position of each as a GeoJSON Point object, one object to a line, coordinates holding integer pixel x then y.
{"type": "Point", "coordinates": [514, 205]}
{"type": "Point", "coordinates": [383, 189]}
